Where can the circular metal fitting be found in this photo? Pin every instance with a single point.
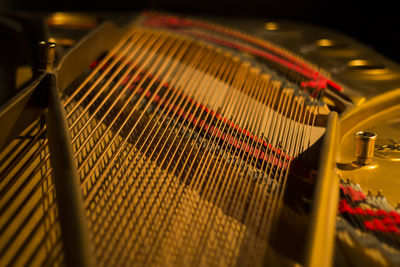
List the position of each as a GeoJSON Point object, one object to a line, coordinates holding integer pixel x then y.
{"type": "Point", "coordinates": [365, 145]}
{"type": "Point", "coordinates": [47, 53]}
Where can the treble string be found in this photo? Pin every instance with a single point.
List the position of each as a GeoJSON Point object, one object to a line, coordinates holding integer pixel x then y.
{"type": "Point", "coordinates": [179, 194]}
{"type": "Point", "coordinates": [132, 151]}
{"type": "Point", "coordinates": [164, 64]}
{"type": "Point", "coordinates": [158, 109]}
{"type": "Point", "coordinates": [133, 33]}
{"type": "Point", "coordinates": [147, 173]}
{"type": "Point", "coordinates": [149, 127]}
{"type": "Point", "coordinates": [135, 43]}
{"type": "Point", "coordinates": [211, 195]}
{"type": "Point", "coordinates": [121, 92]}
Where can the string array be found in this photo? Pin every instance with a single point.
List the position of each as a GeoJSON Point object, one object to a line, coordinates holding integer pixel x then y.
{"type": "Point", "coordinates": [183, 151]}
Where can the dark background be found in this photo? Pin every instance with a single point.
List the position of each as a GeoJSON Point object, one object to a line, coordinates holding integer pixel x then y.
{"type": "Point", "coordinates": [374, 23]}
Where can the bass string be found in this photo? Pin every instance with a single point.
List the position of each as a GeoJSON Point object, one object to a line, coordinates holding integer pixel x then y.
{"type": "Point", "coordinates": [91, 100]}
{"type": "Point", "coordinates": [90, 132]}
{"type": "Point", "coordinates": [124, 143]}
{"type": "Point", "coordinates": [28, 158]}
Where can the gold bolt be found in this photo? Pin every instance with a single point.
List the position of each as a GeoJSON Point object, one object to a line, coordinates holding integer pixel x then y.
{"type": "Point", "coordinates": [365, 144]}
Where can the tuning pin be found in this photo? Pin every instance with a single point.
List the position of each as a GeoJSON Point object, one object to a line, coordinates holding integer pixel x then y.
{"type": "Point", "coordinates": [380, 193]}
{"type": "Point", "coordinates": [369, 193]}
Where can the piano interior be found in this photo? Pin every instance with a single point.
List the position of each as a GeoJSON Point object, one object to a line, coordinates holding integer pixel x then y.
{"type": "Point", "coordinates": [162, 139]}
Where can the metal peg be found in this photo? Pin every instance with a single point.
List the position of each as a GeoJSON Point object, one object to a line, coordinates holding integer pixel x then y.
{"type": "Point", "coordinates": [47, 53]}
{"type": "Point", "coordinates": [365, 145]}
